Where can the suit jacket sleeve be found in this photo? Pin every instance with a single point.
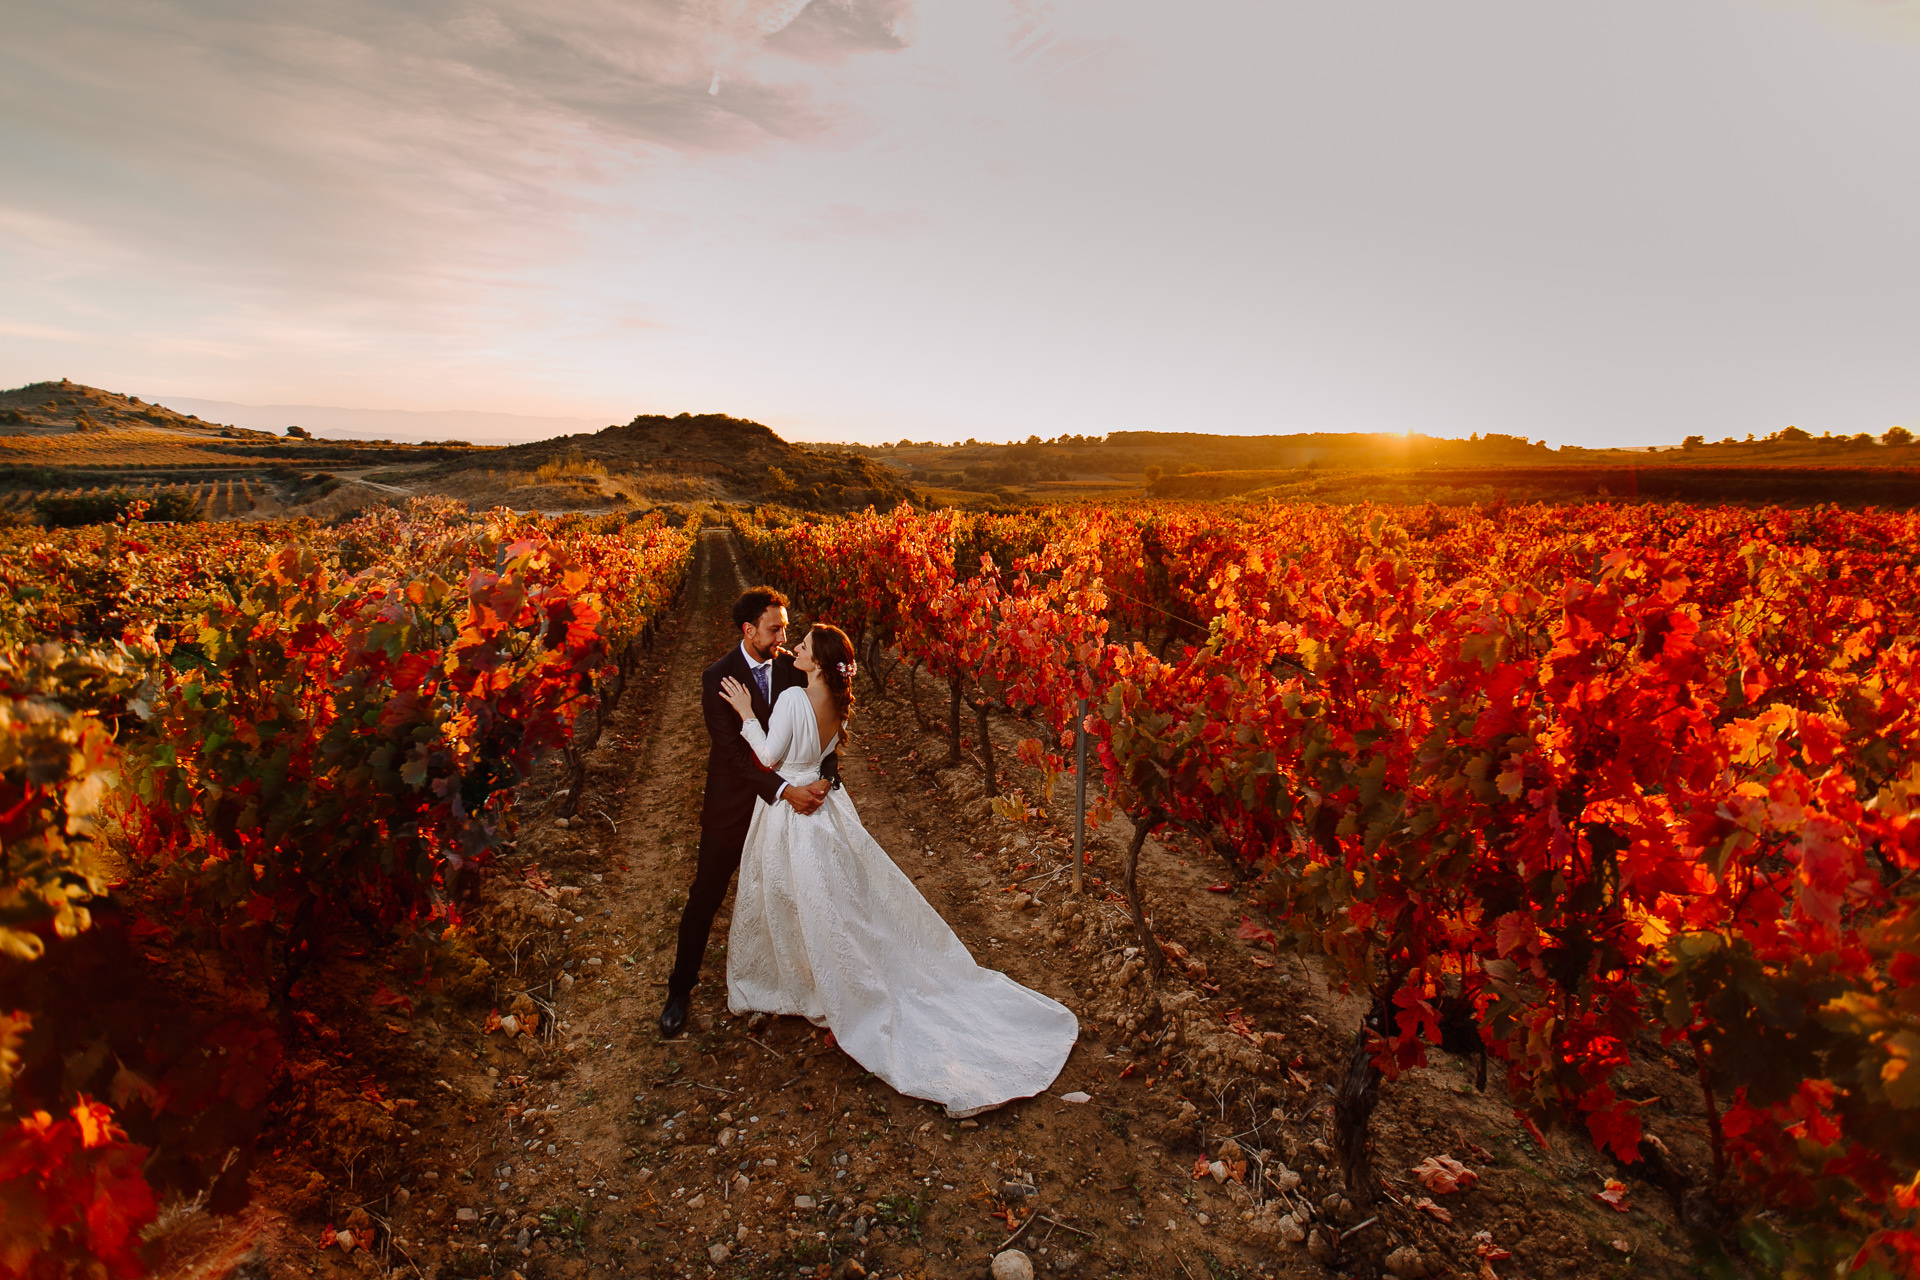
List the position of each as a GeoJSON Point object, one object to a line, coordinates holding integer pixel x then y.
{"type": "Point", "coordinates": [736, 757]}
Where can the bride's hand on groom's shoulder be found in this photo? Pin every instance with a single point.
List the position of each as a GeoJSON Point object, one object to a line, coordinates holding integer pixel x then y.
{"type": "Point", "coordinates": [734, 693]}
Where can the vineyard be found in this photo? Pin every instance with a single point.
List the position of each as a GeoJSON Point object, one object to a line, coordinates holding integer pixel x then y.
{"type": "Point", "coordinates": [121, 448]}
{"type": "Point", "coordinates": [1569, 785]}
{"type": "Point", "coordinates": [1579, 796]}
{"type": "Point", "coordinates": [205, 499]}
{"type": "Point", "coordinates": [283, 745]}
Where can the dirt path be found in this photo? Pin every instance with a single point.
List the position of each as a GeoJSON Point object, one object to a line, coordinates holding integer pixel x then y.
{"type": "Point", "coordinates": [754, 1149]}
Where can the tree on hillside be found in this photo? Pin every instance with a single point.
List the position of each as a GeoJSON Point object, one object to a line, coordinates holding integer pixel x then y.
{"type": "Point", "coordinates": [1897, 436]}
{"type": "Point", "coordinates": [1694, 442]}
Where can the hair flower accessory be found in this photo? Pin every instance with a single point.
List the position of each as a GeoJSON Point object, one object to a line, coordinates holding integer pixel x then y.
{"type": "Point", "coordinates": [849, 669]}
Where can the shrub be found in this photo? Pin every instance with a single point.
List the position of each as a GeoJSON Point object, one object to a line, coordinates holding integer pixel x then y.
{"type": "Point", "coordinates": [573, 466]}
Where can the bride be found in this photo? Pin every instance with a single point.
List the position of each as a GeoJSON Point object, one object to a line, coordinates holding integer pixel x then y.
{"type": "Point", "coordinates": [826, 927]}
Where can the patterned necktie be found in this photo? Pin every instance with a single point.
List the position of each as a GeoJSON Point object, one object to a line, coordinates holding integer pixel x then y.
{"type": "Point", "coordinates": [760, 678]}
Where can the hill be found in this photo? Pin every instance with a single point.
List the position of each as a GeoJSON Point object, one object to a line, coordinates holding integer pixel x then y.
{"type": "Point", "coordinates": [62, 440]}
{"type": "Point", "coordinates": [686, 458]}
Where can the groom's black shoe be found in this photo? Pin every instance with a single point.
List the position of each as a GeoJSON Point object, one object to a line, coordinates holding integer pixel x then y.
{"type": "Point", "coordinates": [673, 1018]}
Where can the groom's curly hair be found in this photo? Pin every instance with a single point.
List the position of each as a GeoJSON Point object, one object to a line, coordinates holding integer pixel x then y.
{"type": "Point", "coordinates": [748, 608]}
{"type": "Point", "coordinates": [833, 651]}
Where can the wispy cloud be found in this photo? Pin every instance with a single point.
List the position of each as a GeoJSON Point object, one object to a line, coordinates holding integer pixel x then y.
{"type": "Point", "coordinates": [412, 153]}
{"type": "Point", "coordinates": [831, 31]}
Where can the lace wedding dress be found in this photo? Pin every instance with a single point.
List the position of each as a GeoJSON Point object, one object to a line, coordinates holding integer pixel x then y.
{"type": "Point", "coordinates": [826, 927]}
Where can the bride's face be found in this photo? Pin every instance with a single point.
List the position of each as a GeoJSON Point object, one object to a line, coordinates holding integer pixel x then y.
{"type": "Point", "coordinates": [803, 656]}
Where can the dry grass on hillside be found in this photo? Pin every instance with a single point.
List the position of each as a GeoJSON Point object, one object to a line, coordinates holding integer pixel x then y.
{"type": "Point", "coordinates": [122, 448]}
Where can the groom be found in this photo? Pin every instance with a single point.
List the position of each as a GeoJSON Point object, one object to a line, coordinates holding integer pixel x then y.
{"type": "Point", "coordinates": [735, 778]}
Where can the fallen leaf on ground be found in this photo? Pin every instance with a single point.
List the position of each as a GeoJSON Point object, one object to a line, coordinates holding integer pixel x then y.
{"type": "Point", "coordinates": [1427, 1206]}
{"type": "Point", "coordinates": [1484, 1246]}
{"type": "Point", "coordinates": [1443, 1174]}
{"type": "Point", "coordinates": [1614, 1196]}
{"type": "Point", "coordinates": [1251, 932]}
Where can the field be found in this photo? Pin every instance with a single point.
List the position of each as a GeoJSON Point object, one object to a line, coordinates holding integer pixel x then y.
{"type": "Point", "coordinates": [1520, 890]}
{"type": "Point", "coordinates": [117, 449]}
{"type": "Point", "coordinates": [213, 499]}
{"type": "Point", "coordinates": [63, 441]}
{"type": "Point", "coordinates": [1354, 467]}
{"type": "Point", "coordinates": [1798, 484]}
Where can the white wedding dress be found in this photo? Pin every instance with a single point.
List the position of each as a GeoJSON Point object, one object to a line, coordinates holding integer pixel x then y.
{"type": "Point", "coordinates": [827, 928]}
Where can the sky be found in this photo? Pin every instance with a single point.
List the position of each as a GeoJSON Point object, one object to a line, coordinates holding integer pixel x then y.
{"type": "Point", "coordinates": [876, 220]}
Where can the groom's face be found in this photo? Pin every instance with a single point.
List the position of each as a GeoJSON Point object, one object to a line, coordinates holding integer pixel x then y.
{"type": "Point", "coordinates": [767, 636]}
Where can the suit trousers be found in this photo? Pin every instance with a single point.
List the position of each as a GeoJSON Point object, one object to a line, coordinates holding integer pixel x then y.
{"type": "Point", "coordinates": [718, 860]}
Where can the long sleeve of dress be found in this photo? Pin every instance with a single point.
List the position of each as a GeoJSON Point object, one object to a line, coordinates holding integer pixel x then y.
{"type": "Point", "coordinates": [772, 743]}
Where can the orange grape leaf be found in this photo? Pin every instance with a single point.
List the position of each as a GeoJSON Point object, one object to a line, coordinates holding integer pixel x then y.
{"type": "Point", "coordinates": [1443, 1174]}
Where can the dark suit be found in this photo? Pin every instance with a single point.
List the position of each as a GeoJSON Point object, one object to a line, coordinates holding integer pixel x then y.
{"type": "Point", "coordinates": [735, 777]}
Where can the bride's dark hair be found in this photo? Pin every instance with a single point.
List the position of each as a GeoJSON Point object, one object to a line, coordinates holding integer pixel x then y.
{"type": "Point", "coordinates": [833, 654]}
